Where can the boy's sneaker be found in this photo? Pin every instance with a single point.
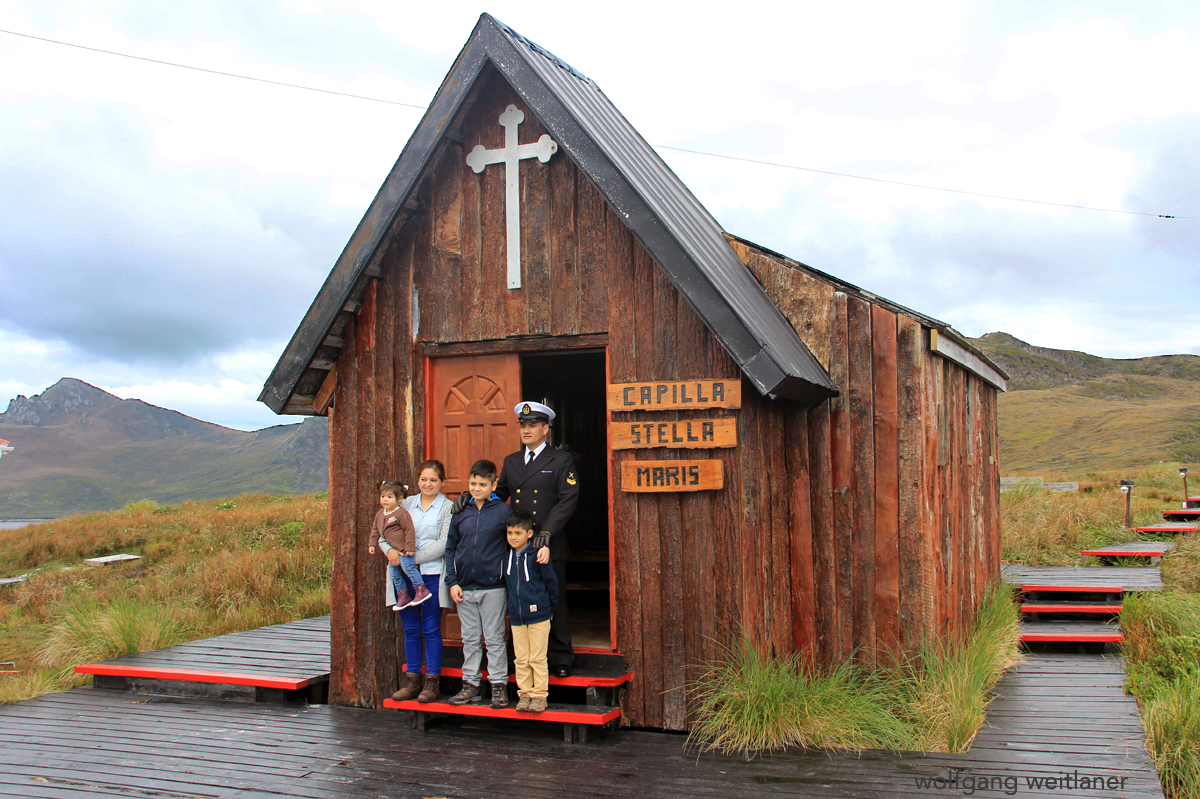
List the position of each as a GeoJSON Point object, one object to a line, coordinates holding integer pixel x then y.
{"type": "Point", "coordinates": [403, 599]}
{"type": "Point", "coordinates": [469, 693]}
{"type": "Point", "coordinates": [523, 704]}
{"type": "Point", "coordinates": [499, 695]}
{"type": "Point", "coordinates": [422, 593]}
{"type": "Point", "coordinates": [537, 705]}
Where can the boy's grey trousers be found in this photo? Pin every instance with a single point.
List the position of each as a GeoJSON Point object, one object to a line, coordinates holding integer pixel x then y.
{"type": "Point", "coordinates": [481, 614]}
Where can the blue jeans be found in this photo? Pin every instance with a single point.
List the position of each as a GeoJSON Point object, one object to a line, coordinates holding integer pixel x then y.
{"type": "Point", "coordinates": [424, 622]}
{"type": "Point", "coordinates": [406, 576]}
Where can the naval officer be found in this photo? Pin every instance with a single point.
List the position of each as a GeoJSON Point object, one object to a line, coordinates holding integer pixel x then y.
{"type": "Point", "coordinates": [542, 480]}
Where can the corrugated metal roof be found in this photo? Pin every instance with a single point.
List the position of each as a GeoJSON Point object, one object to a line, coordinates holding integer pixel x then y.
{"type": "Point", "coordinates": [666, 218]}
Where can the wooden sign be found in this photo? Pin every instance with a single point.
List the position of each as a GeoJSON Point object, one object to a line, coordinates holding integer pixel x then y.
{"type": "Point", "coordinates": [664, 476]}
{"type": "Point", "coordinates": [684, 434]}
{"type": "Point", "coordinates": [687, 395]}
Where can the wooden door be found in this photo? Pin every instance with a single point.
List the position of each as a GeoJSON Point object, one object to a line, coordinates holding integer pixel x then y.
{"type": "Point", "coordinates": [470, 406]}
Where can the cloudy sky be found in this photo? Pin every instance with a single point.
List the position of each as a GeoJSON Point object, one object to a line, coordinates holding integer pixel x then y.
{"type": "Point", "coordinates": [162, 231]}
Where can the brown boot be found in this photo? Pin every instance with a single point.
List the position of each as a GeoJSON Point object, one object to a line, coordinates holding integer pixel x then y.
{"type": "Point", "coordinates": [431, 690]}
{"type": "Point", "coordinates": [408, 687]}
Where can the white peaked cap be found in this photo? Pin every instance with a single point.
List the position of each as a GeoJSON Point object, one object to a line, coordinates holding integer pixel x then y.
{"type": "Point", "coordinates": [527, 408]}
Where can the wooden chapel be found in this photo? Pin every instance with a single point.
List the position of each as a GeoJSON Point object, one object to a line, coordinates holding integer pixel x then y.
{"type": "Point", "coordinates": [761, 446]}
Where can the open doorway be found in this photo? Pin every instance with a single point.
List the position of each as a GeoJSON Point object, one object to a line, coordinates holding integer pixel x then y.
{"type": "Point", "coordinates": [573, 383]}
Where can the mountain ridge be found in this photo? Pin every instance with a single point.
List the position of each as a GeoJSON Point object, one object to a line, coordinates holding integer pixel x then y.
{"type": "Point", "coordinates": [1032, 367]}
{"type": "Point", "coordinates": [80, 448]}
{"type": "Point", "coordinates": [1068, 413]}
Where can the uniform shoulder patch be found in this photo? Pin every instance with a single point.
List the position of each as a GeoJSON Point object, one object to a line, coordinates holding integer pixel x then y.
{"type": "Point", "coordinates": [571, 479]}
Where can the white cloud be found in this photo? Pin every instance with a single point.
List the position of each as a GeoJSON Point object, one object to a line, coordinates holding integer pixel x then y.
{"type": "Point", "coordinates": [164, 230]}
{"type": "Point", "coordinates": [228, 402]}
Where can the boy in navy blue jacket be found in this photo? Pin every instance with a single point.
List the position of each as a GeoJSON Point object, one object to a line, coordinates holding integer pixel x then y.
{"type": "Point", "coordinates": [532, 592]}
{"type": "Point", "coordinates": [474, 575]}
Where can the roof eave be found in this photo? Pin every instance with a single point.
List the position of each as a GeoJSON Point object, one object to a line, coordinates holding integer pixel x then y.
{"type": "Point", "coordinates": [796, 375]}
{"type": "Point", "coordinates": [373, 228]}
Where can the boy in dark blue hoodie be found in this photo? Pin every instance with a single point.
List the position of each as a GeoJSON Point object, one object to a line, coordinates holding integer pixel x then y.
{"type": "Point", "coordinates": [474, 575]}
{"type": "Point", "coordinates": [532, 593]}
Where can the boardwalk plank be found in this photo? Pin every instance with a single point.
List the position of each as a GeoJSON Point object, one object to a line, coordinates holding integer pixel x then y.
{"type": "Point", "coordinates": [1053, 713]}
{"type": "Point", "coordinates": [298, 650]}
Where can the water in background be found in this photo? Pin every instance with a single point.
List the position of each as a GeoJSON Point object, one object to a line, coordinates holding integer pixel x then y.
{"type": "Point", "coordinates": [6, 525]}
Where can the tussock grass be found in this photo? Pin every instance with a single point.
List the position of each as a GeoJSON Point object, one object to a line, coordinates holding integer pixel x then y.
{"type": "Point", "coordinates": [1162, 648]}
{"type": "Point", "coordinates": [1172, 723]}
{"type": "Point", "coordinates": [91, 631]}
{"type": "Point", "coordinates": [947, 690]}
{"type": "Point", "coordinates": [1181, 565]}
{"type": "Point", "coordinates": [206, 569]}
{"type": "Point", "coordinates": [748, 703]}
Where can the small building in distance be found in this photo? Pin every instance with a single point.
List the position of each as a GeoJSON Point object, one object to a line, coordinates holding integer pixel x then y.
{"type": "Point", "coordinates": [761, 446]}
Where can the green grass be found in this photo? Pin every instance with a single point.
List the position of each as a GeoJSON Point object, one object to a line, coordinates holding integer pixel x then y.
{"type": "Point", "coordinates": [207, 568]}
{"type": "Point", "coordinates": [749, 703]}
{"type": "Point", "coordinates": [1172, 723]}
{"type": "Point", "coordinates": [947, 689]}
{"type": "Point", "coordinates": [1162, 648]}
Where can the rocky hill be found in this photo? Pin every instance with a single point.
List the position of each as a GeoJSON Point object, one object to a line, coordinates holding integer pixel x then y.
{"type": "Point", "coordinates": [79, 448]}
{"type": "Point", "coordinates": [1068, 413]}
{"type": "Point", "coordinates": [1032, 367]}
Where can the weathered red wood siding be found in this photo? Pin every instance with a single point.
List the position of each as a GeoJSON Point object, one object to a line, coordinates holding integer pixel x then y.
{"type": "Point", "coordinates": [929, 463]}
{"type": "Point", "coordinates": [858, 526]}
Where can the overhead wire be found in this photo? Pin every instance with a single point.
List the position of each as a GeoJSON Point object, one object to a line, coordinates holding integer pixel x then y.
{"type": "Point", "coordinates": [658, 146]}
{"type": "Point", "coordinates": [921, 186]}
{"type": "Point", "coordinates": [212, 71]}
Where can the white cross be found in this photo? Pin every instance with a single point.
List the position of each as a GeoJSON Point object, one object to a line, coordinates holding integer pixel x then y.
{"type": "Point", "coordinates": [511, 156]}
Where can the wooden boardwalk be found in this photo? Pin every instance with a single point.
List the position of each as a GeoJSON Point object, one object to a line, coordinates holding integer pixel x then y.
{"type": "Point", "coordinates": [1126, 578]}
{"type": "Point", "coordinates": [1134, 548]}
{"type": "Point", "coordinates": [1054, 716]}
{"type": "Point", "coordinates": [282, 656]}
{"type": "Point", "coordinates": [1169, 527]}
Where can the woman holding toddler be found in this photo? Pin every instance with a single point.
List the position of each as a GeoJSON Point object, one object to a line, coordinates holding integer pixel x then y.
{"type": "Point", "coordinates": [430, 513]}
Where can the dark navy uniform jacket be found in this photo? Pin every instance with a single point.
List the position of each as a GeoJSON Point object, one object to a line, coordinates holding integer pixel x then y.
{"type": "Point", "coordinates": [547, 488]}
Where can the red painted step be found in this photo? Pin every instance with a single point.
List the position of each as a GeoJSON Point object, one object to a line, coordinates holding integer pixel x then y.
{"type": "Point", "coordinates": [1145, 552]}
{"type": "Point", "coordinates": [186, 675]}
{"type": "Point", "coordinates": [1071, 631]}
{"type": "Point", "coordinates": [1169, 527]}
{"type": "Point", "coordinates": [1078, 637]}
{"type": "Point", "coordinates": [575, 680]}
{"type": "Point", "coordinates": [578, 650]}
{"type": "Point", "coordinates": [1088, 589]}
{"type": "Point", "coordinates": [571, 714]}
{"type": "Point", "coordinates": [1068, 607]}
